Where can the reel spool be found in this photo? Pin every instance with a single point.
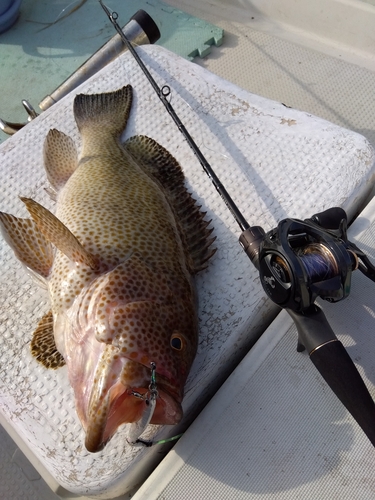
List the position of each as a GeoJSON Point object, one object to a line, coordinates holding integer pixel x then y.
{"type": "Point", "coordinates": [299, 261]}
{"type": "Point", "coordinates": [319, 262]}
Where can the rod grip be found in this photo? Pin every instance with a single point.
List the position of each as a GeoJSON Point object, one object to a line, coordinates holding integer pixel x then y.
{"type": "Point", "coordinates": [313, 328]}
{"type": "Point", "coordinates": [335, 366]}
{"type": "Point", "coordinates": [338, 370]}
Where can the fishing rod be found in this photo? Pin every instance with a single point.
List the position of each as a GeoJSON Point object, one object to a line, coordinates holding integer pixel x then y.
{"type": "Point", "coordinates": [299, 261]}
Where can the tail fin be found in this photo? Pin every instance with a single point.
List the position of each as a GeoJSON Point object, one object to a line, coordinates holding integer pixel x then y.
{"type": "Point", "coordinates": [110, 110]}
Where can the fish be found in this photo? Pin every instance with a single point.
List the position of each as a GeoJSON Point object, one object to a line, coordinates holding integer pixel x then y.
{"type": "Point", "coordinates": [118, 258]}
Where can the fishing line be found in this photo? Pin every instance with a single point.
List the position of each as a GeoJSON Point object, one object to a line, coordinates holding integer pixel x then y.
{"type": "Point", "coordinates": [318, 261]}
{"type": "Point", "coordinates": [162, 441]}
{"type": "Point", "coordinates": [61, 15]}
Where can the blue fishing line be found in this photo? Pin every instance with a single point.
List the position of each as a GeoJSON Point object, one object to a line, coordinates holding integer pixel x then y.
{"type": "Point", "coordinates": [318, 262]}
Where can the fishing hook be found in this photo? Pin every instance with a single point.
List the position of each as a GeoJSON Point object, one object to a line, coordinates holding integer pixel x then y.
{"type": "Point", "coordinates": [137, 428]}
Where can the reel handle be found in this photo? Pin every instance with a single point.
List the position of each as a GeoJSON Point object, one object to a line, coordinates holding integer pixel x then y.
{"type": "Point", "coordinates": [336, 366]}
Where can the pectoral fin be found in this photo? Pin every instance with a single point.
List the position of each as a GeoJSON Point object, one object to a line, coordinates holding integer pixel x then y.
{"type": "Point", "coordinates": [28, 243]}
{"type": "Point", "coordinates": [43, 346]}
{"type": "Point", "coordinates": [58, 234]}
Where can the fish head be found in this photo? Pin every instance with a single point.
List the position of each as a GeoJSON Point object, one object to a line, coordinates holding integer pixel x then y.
{"type": "Point", "coordinates": [125, 324]}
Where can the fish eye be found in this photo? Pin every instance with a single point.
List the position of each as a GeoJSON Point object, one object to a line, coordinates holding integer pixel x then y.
{"type": "Point", "coordinates": [177, 342]}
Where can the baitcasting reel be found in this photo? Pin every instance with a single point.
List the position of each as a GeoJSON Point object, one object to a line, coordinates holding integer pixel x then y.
{"type": "Point", "coordinates": [299, 261]}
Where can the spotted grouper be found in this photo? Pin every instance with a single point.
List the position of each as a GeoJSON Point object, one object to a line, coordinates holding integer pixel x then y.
{"type": "Point", "coordinates": [118, 259]}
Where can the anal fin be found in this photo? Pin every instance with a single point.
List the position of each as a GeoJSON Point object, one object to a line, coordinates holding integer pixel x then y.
{"type": "Point", "coordinates": [43, 346]}
{"type": "Point", "coordinates": [58, 234]}
{"type": "Point", "coordinates": [28, 243]}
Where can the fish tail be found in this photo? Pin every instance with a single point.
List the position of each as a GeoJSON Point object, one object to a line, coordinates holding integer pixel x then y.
{"type": "Point", "coordinates": [109, 110]}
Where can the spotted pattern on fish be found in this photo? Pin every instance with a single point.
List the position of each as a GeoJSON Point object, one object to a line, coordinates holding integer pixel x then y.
{"type": "Point", "coordinates": [43, 344]}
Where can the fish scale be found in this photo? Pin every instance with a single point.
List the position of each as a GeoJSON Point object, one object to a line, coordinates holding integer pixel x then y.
{"type": "Point", "coordinates": [126, 240]}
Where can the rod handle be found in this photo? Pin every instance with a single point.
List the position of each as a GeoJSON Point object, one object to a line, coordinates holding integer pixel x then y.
{"type": "Point", "coordinates": [338, 370]}
{"type": "Point", "coordinates": [335, 366]}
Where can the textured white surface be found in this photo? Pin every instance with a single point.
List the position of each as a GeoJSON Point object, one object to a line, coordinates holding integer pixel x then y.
{"type": "Point", "coordinates": [275, 429]}
{"type": "Point", "coordinates": [274, 161]}
{"type": "Point", "coordinates": [293, 65]}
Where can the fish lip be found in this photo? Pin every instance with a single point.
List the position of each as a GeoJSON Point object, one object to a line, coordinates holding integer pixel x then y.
{"type": "Point", "coordinates": [94, 440]}
{"type": "Point", "coordinates": [97, 431]}
{"type": "Point", "coordinates": [113, 400]}
{"type": "Point", "coordinates": [94, 445]}
{"type": "Point", "coordinates": [165, 386]}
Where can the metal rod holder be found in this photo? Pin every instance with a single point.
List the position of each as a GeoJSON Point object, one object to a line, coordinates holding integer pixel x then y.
{"type": "Point", "coordinates": [140, 30]}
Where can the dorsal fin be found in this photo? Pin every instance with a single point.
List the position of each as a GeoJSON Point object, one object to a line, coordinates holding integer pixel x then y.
{"type": "Point", "coordinates": [60, 158]}
{"type": "Point", "coordinates": [58, 234]}
{"type": "Point", "coordinates": [163, 167]}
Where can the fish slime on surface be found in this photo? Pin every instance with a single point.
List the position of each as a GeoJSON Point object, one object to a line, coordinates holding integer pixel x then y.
{"type": "Point", "coordinates": [118, 259]}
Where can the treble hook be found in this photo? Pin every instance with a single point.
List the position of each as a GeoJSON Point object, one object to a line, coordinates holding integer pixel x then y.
{"type": "Point", "coordinates": [150, 397]}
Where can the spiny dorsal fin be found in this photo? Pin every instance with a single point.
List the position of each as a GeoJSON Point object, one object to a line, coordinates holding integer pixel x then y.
{"type": "Point", "coordinates": [43, 346]}
{"type": "Point", "coordinates": [28, 243]}
{"type": "Point", "coordinates": [60, 158]}
{"type": "Point", "coordinates": [163, 167]}
{"type": "Point", "coordinates": [58, 234]}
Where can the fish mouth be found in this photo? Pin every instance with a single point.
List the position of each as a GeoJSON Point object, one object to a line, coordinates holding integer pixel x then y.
{"type": "Point", "coordinates": [110, 407]}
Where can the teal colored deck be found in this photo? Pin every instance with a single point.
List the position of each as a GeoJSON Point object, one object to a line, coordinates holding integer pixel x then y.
{"type": "Point", "coordinates": [37, 56]}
